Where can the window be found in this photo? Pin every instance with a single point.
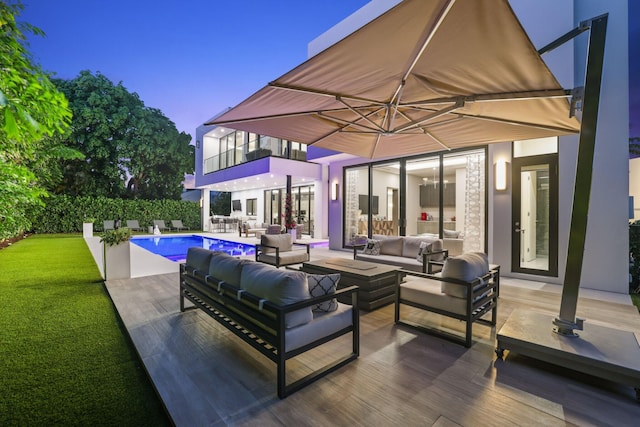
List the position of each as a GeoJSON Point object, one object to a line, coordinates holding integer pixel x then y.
{"type": "Point", "coordinates": [252, 207]}
{"type": "Point", "coordinates": [444, 196]}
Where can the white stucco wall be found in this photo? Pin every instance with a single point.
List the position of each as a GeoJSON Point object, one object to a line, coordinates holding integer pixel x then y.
{"type": "Point", "coordinates": [634, 186]}
{"type": "Point", "coordinates": [606, 247]}
{"type": "Point", "coordinates": [607, 240]}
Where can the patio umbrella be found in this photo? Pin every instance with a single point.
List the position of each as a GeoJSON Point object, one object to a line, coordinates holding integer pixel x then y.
{"type": "Point", "coordinates": [427, 75]}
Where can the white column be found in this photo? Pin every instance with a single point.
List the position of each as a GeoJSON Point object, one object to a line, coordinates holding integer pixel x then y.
{"type": "Point", "coordinates": [205, 209]}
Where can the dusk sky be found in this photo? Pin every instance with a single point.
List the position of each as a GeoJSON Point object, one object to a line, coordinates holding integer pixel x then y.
{"type": "Point", "coordinates": [192, 59]}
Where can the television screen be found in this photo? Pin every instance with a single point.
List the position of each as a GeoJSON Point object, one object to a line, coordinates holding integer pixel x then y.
{"type": "Point", "coordinates": [363, 204]}
{"type": "Point", "coordinates": [236, 205]}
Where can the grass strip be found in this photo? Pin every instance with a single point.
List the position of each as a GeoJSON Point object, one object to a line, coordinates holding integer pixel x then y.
{"type": "Point", "coordinates": [635, 299]}
{"type": "Point", "coordinates": [66, 359]}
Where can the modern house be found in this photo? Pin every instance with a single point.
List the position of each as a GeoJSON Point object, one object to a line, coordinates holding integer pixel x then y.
{"type": "Point", "coordinates": [511, 198]}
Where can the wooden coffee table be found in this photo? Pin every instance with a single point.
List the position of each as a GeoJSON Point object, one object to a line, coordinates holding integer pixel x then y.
{"type": "Point", "coordinates": [377, 282]}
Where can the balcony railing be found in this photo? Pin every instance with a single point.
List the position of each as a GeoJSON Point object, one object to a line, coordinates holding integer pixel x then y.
{"type": "Point", "coordinates": [248, 152]}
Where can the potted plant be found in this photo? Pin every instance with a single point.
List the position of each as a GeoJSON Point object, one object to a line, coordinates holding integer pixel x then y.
{"type": "Point", "coordinates": [87, 227]}
{"type": "Point", "coordinates": [115, 255]}
{"type": "Point", "coordinates": [289, 221]}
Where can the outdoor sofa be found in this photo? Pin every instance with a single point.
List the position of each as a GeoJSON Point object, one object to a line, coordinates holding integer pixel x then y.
{"type": "Point", "coordinates": [406, 252]}
{"type": "Point", "coordinates": [252, 227]}
{"type": "Point", "coordinates": [466, 289]}
{"type": "Point", "coordinates": [280, 313]}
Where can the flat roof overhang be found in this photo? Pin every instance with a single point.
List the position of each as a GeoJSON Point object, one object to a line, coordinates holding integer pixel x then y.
{"type": "Point", "coordinates": [264, 173]}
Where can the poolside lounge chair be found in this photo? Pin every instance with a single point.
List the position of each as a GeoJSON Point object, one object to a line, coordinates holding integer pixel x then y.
{"type": "Point", "coordinates": [132, 224]}
{"type": "Point", "coordinates": [177, 225]}
{"type": "Point", "coordinates": [160, 223]}
{"type": "Point", "coordinates": [108, 225]}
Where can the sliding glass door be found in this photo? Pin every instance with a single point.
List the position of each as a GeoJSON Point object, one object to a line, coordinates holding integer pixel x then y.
{"type": "Point", "coordinates": [442, 196]}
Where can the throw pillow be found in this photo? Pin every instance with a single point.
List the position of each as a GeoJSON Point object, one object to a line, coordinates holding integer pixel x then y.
{"type": "Point", "coordinates": [373, 247]}
{"type": "Point", "coordinates": [451, 234]}
{"type": "Point", "coordinates": [424, 248]}
{"type": "Point", "coordinates": [466, 268]}
{"type": "Point", "coordinates": [321, 284]}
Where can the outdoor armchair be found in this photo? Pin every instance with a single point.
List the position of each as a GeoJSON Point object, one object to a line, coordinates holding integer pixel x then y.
{"type": "Point", "coordinates": [281, 250]}
{"type": "Point", "coordinates": [108, 225]}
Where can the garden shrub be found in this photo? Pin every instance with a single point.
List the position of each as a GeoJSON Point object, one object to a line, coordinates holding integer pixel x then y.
{"type": "Point", "coordinates": [65, 214]}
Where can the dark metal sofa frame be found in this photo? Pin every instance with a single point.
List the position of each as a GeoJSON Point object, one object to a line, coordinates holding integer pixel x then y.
{"type": "Point", "coordinates": [264, 329]}
{"type": "Point", "coordinates": [489, 284]}
{"type": "Point", "coordinates": [259, 249]}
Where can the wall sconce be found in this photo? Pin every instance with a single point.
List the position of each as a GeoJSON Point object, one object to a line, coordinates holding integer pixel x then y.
{"type": "Point", "coordinates": [335, 190]}
{"type": "Point", "coordinates": [501, 175]}
{"type": "Point", "coordinates": [197, 143]}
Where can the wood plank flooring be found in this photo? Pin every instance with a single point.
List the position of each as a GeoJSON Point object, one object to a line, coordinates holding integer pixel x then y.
{"type": "Point", "coordinates": [208, 377]}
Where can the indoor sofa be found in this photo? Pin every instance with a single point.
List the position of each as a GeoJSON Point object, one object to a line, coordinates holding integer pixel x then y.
{"type": "Point", "coordinates": [280, 313]}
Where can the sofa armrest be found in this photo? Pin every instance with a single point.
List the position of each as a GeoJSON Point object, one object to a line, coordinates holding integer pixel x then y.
{"type": "Point", "coordinates": [307, 245]}
{"type": "Point", "coordinates": [426, 259]}
{"type": "Point", "coordinates": [259, 247]}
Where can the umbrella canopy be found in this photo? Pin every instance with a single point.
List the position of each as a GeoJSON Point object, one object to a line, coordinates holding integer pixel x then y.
{"type": "Point", "coordinates": [427, 75]}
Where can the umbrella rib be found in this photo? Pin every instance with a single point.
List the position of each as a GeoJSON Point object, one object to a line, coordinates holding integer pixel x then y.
{"type": "Point", "coordinates": [362, 116]}
{"type": "Point", "coordinates": [323, 93]}
{"type": "Point", "coordinates": [432, 31]}
{"type": "Point", "coordinates": [417, 123]}
{"type": "Point", "coordinates": [504, 96]}
{"type": "Point", "coordinates": [375, 146]}
{"type": "Point", "coordinates": [518, 123]}
{"type": "Point", "coordinates": [347, 122]}
{"type": "Point", "coordinates": [274, 116]}
{"type": "Point", "coordinates": [432, 136]}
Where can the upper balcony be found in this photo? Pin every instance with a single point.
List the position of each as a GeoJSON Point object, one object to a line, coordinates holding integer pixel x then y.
{"type": "Point", "coordinates": [251, 151]}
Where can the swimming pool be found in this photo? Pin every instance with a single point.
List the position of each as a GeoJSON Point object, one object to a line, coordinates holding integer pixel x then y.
{"type": "Point", "coordinates": [175, 247]}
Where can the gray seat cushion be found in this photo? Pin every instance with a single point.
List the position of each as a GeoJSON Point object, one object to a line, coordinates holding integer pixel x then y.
{"type": "Point", "coordinates": [281, 287]}
{"type": "Point", "coordinates": [226, 268]}
{"type": "Point", "coordinates": [286, 258]}
{"type": "Point", "coordinates": [199, 258]}
{"type": "Point", "coordinates": [391, 246]}
{"type": "Point", "coordinates": [427, 292]}
{"type": "Point", "coordinates": [282, 241]}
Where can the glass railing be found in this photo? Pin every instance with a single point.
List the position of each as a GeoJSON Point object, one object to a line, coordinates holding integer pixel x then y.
{"type": "Point", "coordinates": [245, 153]}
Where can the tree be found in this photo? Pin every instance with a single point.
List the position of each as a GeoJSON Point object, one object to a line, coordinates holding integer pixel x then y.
{"type": "Point", "coordinates": [158, 162]}
{"type": "Point", "coordinates": [131, 150]}
{"type": "Point", "coordinates": [31, 111]}
{"type": "Point", "coordinates": [221, 203]}
{"type": "Point", "coordinates": [634, 146]}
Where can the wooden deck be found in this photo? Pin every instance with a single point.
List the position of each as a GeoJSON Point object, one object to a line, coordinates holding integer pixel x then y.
{"type": "Point", "coordinates": [208, 377]}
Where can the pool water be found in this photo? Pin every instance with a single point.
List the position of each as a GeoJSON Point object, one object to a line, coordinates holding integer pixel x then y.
{"type": "Point", "coordinates": [175, 248]}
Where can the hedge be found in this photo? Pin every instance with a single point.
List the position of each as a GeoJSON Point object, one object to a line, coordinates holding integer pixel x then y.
{"type": "Point", "coordinates": [65, 214]}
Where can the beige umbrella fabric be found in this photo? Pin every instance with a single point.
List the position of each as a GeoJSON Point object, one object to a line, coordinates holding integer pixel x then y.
{"type": "Point", "coordinates": [427, 75]}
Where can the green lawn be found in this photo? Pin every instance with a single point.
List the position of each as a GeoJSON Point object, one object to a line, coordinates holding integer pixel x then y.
{"type": "Point", "coordinates": [635, 298]}
{"type": "Point", "coordinates": [66, 359]}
